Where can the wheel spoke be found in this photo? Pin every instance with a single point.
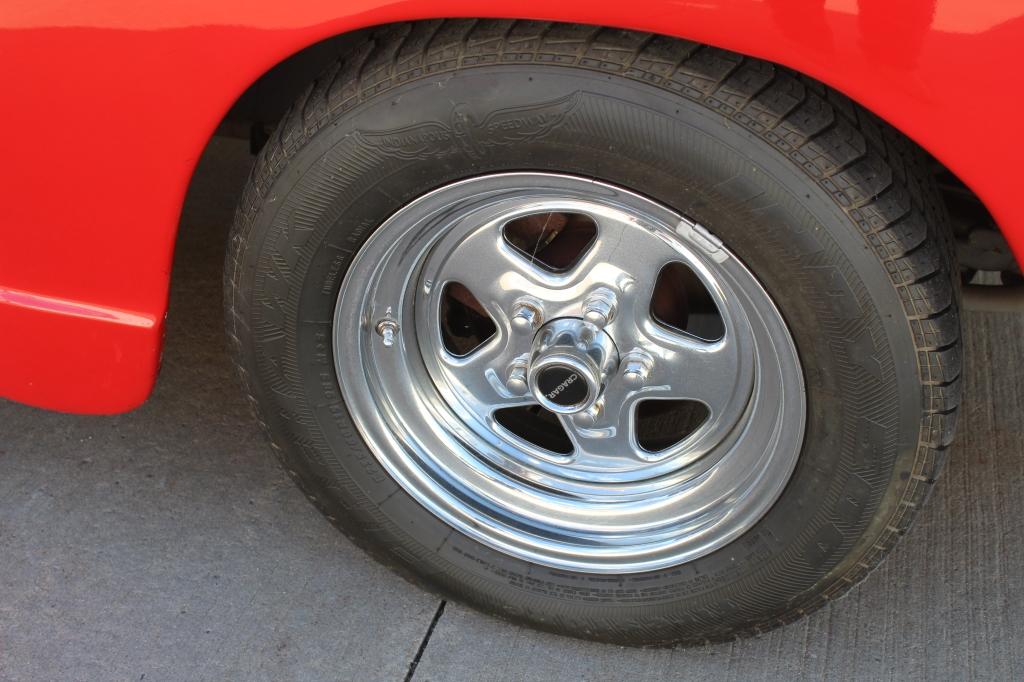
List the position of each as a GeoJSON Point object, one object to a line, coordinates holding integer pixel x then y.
{"type": "Point", "coordinates": [609, 438]}
{"type": "Point", "coordinates": [717, 374]}
{"type": "Point", "coordinates": [481, 376]}
{"type": "Point", "coordinates": [615, 260]}
{"type": "Point", "coordinates": [493, 272]}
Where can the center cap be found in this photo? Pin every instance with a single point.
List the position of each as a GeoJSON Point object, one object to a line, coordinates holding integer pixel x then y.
{"type": "Point", "coordinates": [569, 364]}
{"type": "Point", "coordinates": [563, 385]}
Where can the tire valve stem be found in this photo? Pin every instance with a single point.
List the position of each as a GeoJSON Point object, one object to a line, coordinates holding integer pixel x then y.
{"type": "Point", "coordinates": [387, 328]}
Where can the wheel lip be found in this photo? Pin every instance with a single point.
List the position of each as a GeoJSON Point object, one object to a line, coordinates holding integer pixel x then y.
{"type": "Point", "coordinates": [388, 432]}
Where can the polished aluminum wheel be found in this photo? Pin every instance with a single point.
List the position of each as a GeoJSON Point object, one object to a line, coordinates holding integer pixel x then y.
{"type": "Point", "coordinates": [512, 354]}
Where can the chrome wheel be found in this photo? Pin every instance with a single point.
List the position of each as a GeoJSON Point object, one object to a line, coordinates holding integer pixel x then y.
{"type": "Point", "coordinates": [569, 372]}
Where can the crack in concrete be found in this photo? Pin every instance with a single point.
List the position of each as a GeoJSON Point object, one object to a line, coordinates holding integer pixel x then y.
{"type": "Point", "coordinates": [426, 639]}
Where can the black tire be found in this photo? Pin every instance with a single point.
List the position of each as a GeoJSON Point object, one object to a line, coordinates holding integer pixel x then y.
{"type": "Point", "coordinates": [832, 209]}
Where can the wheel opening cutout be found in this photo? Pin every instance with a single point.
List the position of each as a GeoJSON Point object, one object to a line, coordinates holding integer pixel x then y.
{"type": "Point", "coordinates": [660, 424]}
{"type": "Point", "coordinates": [536, 425]}
{"type": "Point", "coordinates": [465, 325]}
{"type": "Point", "coordinates": [555, 241]}
{"type": "Point", "coordinates": [682, 303]}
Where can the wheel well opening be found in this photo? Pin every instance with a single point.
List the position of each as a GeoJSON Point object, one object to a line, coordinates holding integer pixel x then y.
{"type": "Point", "coordinates": [982, 250]}
{"type": "Point", "coordinates": [257, 111]}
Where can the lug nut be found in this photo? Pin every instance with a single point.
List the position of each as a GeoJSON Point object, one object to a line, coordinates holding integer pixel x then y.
{"type": "Point", "coordinates": [599, 308]}
{"type": "Point", "coordinates": [516, 381]}
{"type": "Point", "coordinates": [636, 367]}
{"type": "Point", "coordinates": [387, 328]}
{"type": "Point", "coordinates": [588, 417]}
{"type": "Point", "coordinates": [526, 316]}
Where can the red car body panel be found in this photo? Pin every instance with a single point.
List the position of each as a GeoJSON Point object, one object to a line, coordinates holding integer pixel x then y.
{"type": "Point", "coordinates": [108, 104]}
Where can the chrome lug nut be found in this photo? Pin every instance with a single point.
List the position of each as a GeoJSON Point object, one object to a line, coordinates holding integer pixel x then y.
{"type": "Point", "coordinates": [599, 308]}
{"type": "Point", "coordinates": [516, 381]}
{"type": "Point", "coordinates": [387, 328]}
{"type": "Point", "coordinates": [625, 283]}
{"type": "Point", "coordinates": [526, 316]}
{"type": "Point", "coordinates": [636, 367]}
{"type": "Point", "coordinates": [588, 417]}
